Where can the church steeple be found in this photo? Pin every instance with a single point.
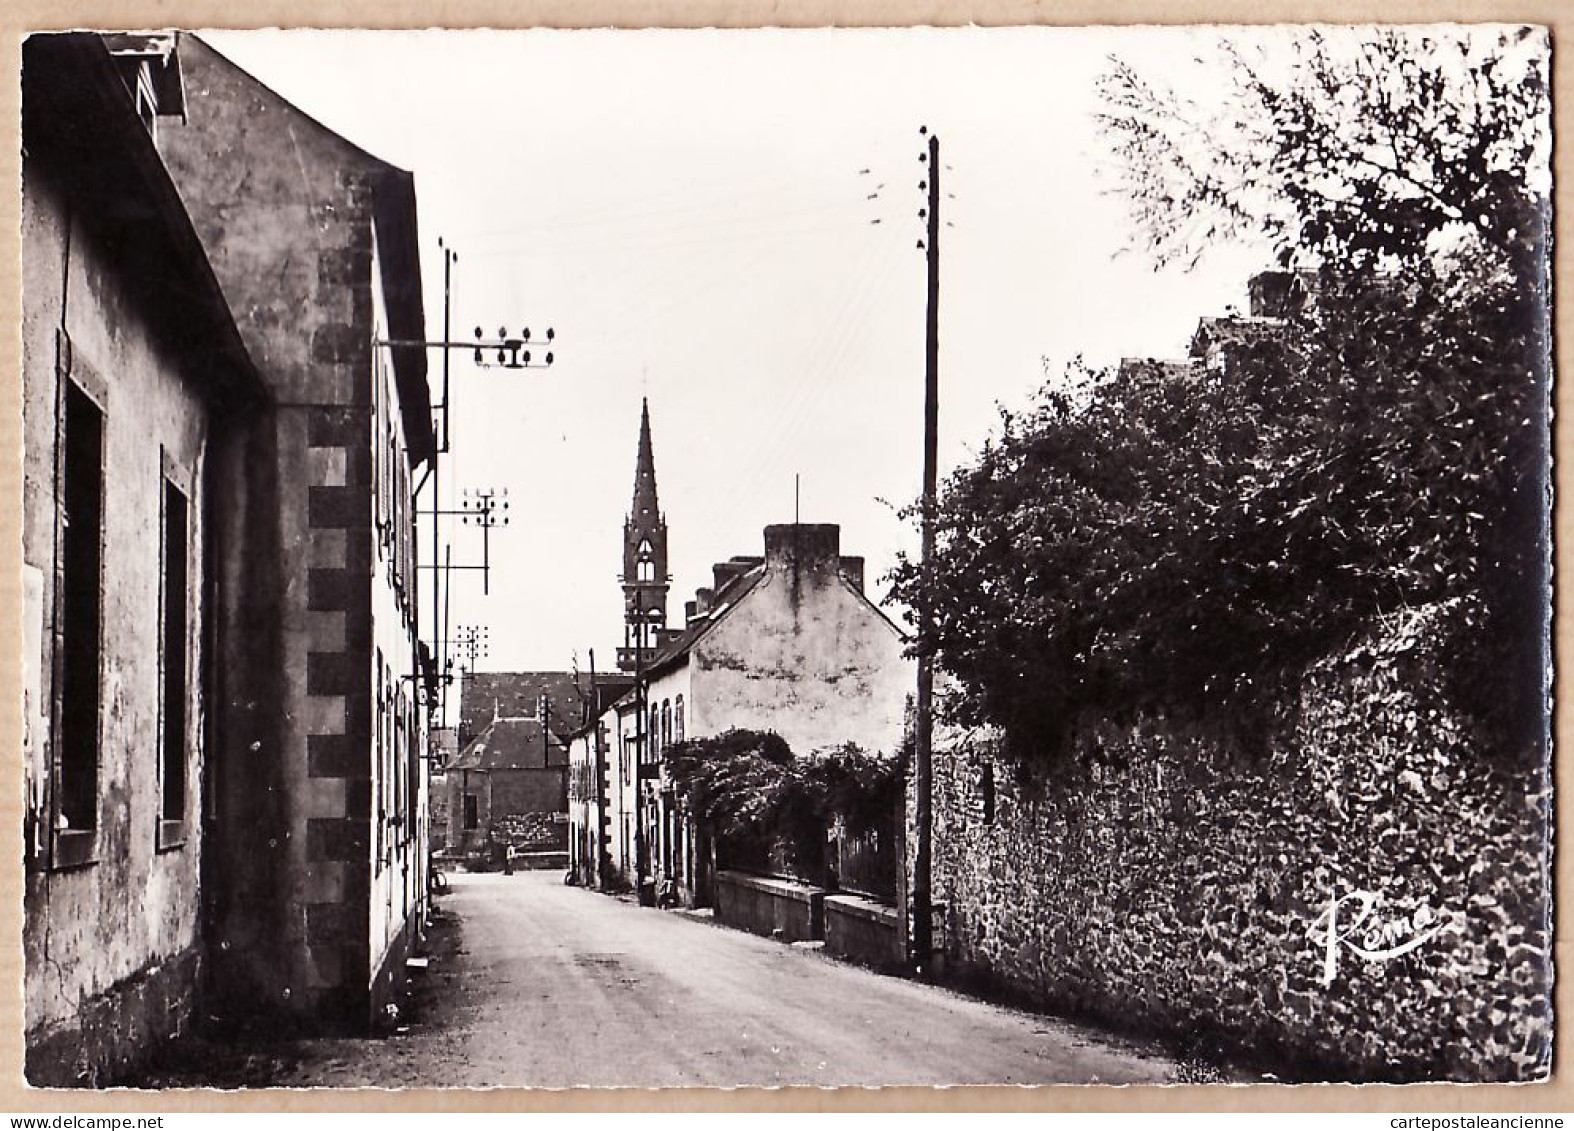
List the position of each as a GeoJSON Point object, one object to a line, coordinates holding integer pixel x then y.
{"type": "Point", "coordinates": [644, 559]}
{"type": "Point", "coordinates": [644, 468]}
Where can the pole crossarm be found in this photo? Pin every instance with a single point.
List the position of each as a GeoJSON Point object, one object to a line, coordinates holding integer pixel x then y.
{"type": "Point", "coordinates": [513, 351]}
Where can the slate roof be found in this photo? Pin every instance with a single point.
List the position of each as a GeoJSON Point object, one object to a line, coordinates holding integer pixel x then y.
{"type": "Point", "coordinates": [731, 595]}
{"type": "Point", "coordinates": [484, 696]}
{"type": "Point", "coordinates": [1159, 369]}
{"type": "Point", "coordinates": [513, 744]}
{"type": "Point", "coordinates": [1232, 331]}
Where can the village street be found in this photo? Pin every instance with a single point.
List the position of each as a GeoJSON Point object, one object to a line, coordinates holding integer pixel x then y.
{"type": "Point", "coordinates": [536, 984]}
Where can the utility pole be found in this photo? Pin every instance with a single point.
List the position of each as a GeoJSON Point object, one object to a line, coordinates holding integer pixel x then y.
{"type": "Point", "coordinates": [439, 633]}
{"type": "Point", "coordinates": [923, 724]}
{"type": "Point", "coordinates": [507, 351]}
{"type": "Point", "coordinates": [599, 839]}
{"type": "Point", "coordinates": [473, 642]}
{"type": "Point", "coordinates": [641, 849]}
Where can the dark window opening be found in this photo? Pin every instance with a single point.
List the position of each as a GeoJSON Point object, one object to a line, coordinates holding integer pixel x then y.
{"type": "Point", "coordinates": [987, 787]}
{"type": "Point", "coordinates": [176, 598]}
{"type": "Point", "coordinates": [82, 549]}
{"type": "Point", "coordinates": [471, 818]}
{"type": "Point", "coordinates": [413, 742]}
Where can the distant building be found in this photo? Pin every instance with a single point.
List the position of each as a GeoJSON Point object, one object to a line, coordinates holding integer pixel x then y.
{"type": "Point", "coordinates": [485, 696]}
{"type": "Point", "coordinates": [509, 781]}
{"type": "Point", "coordinates": [1275, 297]}
{"type": "Point", "coordinates": [317, 806]}
{"type": "Point", "coordinates": [134, 384]}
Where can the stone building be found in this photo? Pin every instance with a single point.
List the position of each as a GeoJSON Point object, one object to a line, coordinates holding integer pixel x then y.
{"type": "Point", "coordinates": [316, 860]}
{"type": "Point", "coordinates": [134, 384]}
{"type": "Point", "coordinates": [509, 781]}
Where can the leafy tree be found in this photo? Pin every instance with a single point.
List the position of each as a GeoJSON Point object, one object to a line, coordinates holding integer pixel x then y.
{"type": "Point", "coordinates": [1147, 537]}
{"type": "Point", "coordinates": [755, 793]}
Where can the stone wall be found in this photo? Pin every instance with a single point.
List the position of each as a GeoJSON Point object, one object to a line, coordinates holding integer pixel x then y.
{"type": "Point", "coordinates": [766, 905]}
{"type": "Point", "coordinates": [863, 930]}
{"type": "Point", "coordinates": [1174, 877]}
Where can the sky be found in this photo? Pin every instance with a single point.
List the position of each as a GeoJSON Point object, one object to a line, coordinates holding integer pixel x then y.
{"type": "Point", "coordinates": [689, 211]}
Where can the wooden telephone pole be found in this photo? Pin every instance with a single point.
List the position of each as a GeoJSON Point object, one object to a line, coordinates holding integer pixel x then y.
{"type": "Point", "coordinates": [923, 724]}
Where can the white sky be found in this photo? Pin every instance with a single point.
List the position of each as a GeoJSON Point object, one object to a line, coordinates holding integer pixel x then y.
{"type": "Point", "coordinates": [685, 209]}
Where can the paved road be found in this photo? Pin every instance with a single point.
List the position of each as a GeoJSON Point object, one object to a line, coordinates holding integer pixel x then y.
{"type": "Point", "coordinates": [551, 986]}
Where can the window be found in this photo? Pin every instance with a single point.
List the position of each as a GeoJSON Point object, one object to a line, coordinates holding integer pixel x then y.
{"type": "Point", "coordinates": [677, 719]}
{"type": "Point", "coordinates": [175, 600]}
{"type": "Point", "coordinates": [390, 494]}
{"type": "Point", "coordinates": [80, 598]}
{"type": "Point", "coordinates": [647, 570]}
{"type": "Point", "coordinates": [414, 766]}
{"type": "Point", "coordinates": [471, 819]}
{"type": "Point", "coordinates": [380, 778]}
{"type": "Point", "coordinates": [401, 805]}
{"type": "Point", "coordinates": [987, 789]}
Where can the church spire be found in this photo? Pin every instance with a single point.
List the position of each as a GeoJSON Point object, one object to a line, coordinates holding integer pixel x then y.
{"type": "Point", "coordinates": [644, 577]}
{"type": "Point", "coordinates": [644, 468]}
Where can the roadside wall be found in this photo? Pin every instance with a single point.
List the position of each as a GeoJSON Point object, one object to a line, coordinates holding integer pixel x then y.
{"type": "Point", "coordinates": [1167, 877]}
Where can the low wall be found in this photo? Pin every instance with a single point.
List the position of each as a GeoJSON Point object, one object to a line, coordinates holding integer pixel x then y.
{"type": "Point", "coordinates": [1167, 875]}
{"type": "Point", "coordinates": [863, 930]}
{"type": "Point", "coordinates": [765, 905]}
{"type": "Point", "coordinates": [541, 861]}
{"type": "Point", "coordinates": [119, 1031]}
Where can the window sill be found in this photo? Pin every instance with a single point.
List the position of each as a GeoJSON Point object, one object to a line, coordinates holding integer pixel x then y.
{"type": "Point", "coordinates": [74, 848]}
{"type": "Point", "coordinates": [171, 836]}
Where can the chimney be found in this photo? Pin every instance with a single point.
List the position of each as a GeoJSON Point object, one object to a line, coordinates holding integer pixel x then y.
{"type": "Point", "coordinates": [690, 610]}
{"type": "Point", "coordinates": [853, 570]}
{"type": "Point", "coordinates": [722, 574]}
{"type": "Point", "coordinates": [803, 547]}
{"type": "Point", "coordinates": [702, 600]}
{"type": "Point", "coordinates": [1277, 294]}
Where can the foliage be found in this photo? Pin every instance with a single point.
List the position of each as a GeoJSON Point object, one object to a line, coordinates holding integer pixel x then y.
{"type": "Point", "coordinates": [1187, 541]}
{"type": "Point", "coordinates": [849, 785]}
{"type": "Point", "coordinates": [732, 781]}
{"type": "Point", "coordinates": [751, 790]}
{"type": "Point", "coordinates": [1359, 147]}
